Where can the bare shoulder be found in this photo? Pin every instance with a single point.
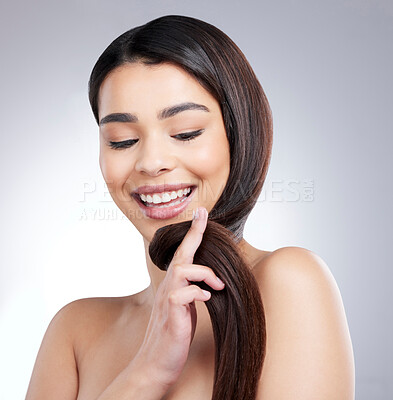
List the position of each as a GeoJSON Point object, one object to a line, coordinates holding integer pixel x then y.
{"type": "Point", "coordinates": [291, 263]}
{"type": "Point", "coordinates": [90, 311]}
{"type": "Point", "coordinates": [55, 372]}
{"type": "Point", "coordinates": [88, 318]}
{"type": "Point", "coordinates": [308, 350]}
{"type": "Point", "coordinates": [105, 308]}
{"type": "Point", "coordinates": [74, 328]}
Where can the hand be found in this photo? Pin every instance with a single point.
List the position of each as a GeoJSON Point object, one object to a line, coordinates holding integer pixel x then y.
{"type": "Point", "coordinates": [172, 324]}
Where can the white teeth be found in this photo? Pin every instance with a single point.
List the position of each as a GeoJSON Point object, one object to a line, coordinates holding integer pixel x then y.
{"type": "Point", "coordinates": [157, 198]}
{"type": "Point", "coordinates": [166, 197]}
{"type": "Point", "coordinates": [168, 205]}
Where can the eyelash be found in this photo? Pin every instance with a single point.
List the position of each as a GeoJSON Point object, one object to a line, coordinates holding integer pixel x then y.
{"type": "Point", "coordinates": [128, 143]}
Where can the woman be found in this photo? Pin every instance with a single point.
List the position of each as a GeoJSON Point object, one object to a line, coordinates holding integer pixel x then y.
{"type": "Point", "coordinates": [186, 131]}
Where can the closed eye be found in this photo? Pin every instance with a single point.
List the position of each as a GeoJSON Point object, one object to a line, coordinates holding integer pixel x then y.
{"type": "Point", "coordinates": [189, 135]}
{"type": "Point", "coordinates": [122, 145]}
{"type": "Point", "coordinates": [181, 136]}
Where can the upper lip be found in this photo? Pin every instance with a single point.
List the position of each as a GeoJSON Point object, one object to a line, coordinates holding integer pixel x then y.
{"type": "Point", "coordinates": [145, 189]}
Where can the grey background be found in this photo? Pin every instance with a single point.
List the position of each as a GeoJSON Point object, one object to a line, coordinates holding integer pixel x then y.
{"type": "Point", "coordinates": [326, 67]}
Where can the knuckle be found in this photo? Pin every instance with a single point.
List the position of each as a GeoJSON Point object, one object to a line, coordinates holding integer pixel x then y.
{"type": "Point", "coordinates": [195, 231]}
{"type": "Point", "coordinates": [212, 273]}
{"type": "Point", "coordinates": [173, 297]}
{"type": "Point", "coordinates": [179, 253]}
{"type": "Point", "coordinates": [207, 270]}
{"type": "Point", "coordinates": [192, 228]}
{"type": "Point", "coordinates": [177, 271]}
{"type": "Point", "coordinates": [196, 290]}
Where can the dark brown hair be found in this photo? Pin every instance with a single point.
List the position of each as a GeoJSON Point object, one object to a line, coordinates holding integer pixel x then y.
{"type": "Point", "coordinates": [214, 60]}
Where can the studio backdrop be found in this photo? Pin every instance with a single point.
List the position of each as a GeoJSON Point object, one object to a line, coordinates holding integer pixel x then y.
{"type": "Point", "coordinates": [326, 68]}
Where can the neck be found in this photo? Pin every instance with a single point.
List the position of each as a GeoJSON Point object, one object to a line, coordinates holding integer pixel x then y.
{"type": "Point", "coordinates": [156, 275]}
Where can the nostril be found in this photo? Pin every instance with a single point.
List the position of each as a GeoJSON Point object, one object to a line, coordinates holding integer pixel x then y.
{"type": "Point", "coordinates": [154, 166]}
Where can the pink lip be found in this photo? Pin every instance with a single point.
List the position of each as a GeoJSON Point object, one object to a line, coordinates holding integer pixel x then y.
{"type": "Point", "coordinates": [167, 212]}
{"type": "Point", "coordinates": [146, 189]}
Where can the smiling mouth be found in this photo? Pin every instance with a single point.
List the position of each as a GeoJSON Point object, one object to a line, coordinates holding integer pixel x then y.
{"type": "Point", "coordinates": [164, 199]}
{"type": "Point", "coordinates": [165, 205]}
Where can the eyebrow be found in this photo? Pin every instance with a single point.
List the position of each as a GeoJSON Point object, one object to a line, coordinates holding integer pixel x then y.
{"type": "Point", "coordinates": [163, 114]}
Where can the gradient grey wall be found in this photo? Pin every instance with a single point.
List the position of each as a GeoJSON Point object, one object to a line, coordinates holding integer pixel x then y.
{"type": "Point", "coordinates": [326, 67]}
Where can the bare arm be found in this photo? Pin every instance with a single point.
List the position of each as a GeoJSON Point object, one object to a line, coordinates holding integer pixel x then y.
{"type": "Point", "coordinates": [309, 351]}
{"type": "Point", "coordinates": [55, 374]}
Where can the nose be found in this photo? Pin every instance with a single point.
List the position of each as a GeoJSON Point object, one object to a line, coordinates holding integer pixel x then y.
{"type": "Point", "coordinates": [154, 157]}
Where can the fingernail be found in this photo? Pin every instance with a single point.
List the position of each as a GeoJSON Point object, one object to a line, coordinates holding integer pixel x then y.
{"type": "Point", "coordinates": [219, 280]}
{"type": "Point", "coordinates": [195, 214]}
{"type": "Point", "coordinates": [206, 293]}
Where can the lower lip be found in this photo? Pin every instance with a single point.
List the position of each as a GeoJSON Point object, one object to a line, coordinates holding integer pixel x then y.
{"type": "Point", "coordinates": [165, 212]}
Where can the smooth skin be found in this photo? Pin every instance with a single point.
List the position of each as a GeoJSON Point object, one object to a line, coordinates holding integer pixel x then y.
{"type": "Point", "coordinates": [158, 344]}
{"type": "Point", "coordinates": [159, 155]}
{"type": "Point", "coordinates": [164, 351]}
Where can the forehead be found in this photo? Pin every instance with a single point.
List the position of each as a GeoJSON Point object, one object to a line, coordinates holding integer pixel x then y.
{"type": "Point", "coordinates": [148, 88]}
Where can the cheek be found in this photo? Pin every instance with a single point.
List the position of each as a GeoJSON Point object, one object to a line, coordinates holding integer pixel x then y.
{"type": "Point", "coordinates": [211, 161]}
{"type": "Point", "coordinates": [114, 170]}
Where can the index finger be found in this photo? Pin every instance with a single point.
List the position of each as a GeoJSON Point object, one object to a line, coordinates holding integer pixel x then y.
{"type": "Point", "coordinates": [193, 238]}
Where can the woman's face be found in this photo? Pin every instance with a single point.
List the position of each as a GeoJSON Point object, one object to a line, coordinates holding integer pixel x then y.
{"type": "Point", "coordinates": [173, 136]}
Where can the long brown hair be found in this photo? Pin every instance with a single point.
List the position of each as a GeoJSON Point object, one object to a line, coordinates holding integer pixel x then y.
{"type": "Point", "coordinates": [214, 60]}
